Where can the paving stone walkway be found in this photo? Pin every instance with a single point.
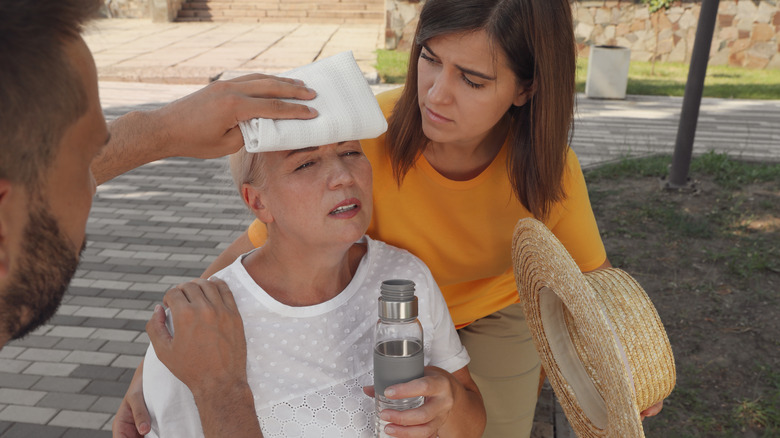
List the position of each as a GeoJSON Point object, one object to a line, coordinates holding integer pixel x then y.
{"type": "Point", "coordinates": [165, 222]}
{"type": "Point", "coordinates": [142, 51]}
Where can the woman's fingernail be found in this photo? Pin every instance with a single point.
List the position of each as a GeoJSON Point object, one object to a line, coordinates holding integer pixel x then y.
{"type": "Point", "coordinates": [144, 428]}
{"type": "Point", "coordinates": [313, 111]}
{"type": "Point", "coordinates": [389, 392]}
{"type": "Point", "coordinates": [389, 430]}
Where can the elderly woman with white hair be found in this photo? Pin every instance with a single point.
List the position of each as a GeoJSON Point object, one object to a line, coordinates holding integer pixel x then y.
{"type": "Point", "coordinates": [308, 297]}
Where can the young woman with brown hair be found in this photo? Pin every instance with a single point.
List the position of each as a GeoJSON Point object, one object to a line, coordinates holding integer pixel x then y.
{"type": "Point", "coordinates": [477, 139]}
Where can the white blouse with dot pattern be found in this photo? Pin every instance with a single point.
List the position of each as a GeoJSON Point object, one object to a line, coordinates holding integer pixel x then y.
{"type": "Point", "coordinates": [307, 365]}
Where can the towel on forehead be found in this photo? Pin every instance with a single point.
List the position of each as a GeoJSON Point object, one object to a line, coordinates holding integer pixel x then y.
{"type": "Point", "coordinates": [347, 110]}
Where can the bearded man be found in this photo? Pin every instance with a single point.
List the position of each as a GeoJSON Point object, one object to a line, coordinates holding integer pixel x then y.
{"type": "Point", "coordinates": [55, 148]}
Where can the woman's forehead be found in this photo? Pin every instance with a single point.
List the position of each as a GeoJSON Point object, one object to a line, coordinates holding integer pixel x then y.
{"type": "Point", "coordinates": [323, 148]}
{"type": "Point", "coordinates": [476, 43]}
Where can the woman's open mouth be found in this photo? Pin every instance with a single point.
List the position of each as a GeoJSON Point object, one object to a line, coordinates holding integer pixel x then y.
{"type": "Point", "coordinates": [346, 209]}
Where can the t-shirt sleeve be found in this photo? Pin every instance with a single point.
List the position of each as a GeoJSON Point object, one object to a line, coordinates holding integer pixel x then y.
{"type": "Point", "coordinates": [447, 352]}
{"type": "Point", "coordinates": [257, 232]}
{"type": "Point", "coordinates": [577, 228]}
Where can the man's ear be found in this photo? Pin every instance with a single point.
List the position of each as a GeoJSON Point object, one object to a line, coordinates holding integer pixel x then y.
{"type": "Point", "coordinates": [255, 201]}
{"type": "Point", "coordinates": [5, 206]}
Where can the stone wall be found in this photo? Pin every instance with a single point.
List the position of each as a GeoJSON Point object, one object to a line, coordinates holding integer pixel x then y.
{"type": "Point", "coordinates": [747, 32]}
{"type": "Point", "coordinates": [157, 10]}
{"type": "Point", "coordinates": [402, 17]}
{"type": "Point", "coordinates": [164, 10]}
{"type": "Point", "coordinates": [127, 8]}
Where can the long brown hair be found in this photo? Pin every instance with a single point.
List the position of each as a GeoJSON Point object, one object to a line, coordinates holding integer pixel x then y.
{"type": "Point", "coordinates": [537, 37]}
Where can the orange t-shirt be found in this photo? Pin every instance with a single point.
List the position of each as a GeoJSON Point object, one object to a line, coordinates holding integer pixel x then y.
{"type": "Point", "coordinates": [463, 229]}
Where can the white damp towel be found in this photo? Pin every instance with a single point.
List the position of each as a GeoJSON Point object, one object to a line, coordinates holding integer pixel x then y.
{"type": "Point", "coordinates": [347, 110]}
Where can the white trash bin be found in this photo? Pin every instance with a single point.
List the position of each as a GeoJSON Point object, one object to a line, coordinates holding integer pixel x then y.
{"type": "Point", "coordinates": [607, 72]}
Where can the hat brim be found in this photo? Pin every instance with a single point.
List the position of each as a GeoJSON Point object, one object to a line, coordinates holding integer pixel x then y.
{"type": "Point", "coordinates": [559, 300]}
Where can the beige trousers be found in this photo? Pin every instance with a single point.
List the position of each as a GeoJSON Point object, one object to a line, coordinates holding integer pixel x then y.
{"type": "Point", "coordinates": [505, 366]}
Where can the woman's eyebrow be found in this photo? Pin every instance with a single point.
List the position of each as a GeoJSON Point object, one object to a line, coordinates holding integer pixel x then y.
{"type": "Point", "coordinates": [295, 151]}
{"type": "Point", "coordinates": [469, 71]}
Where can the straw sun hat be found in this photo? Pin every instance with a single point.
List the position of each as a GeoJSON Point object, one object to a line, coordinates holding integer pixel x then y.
{"type": "Point", "coordinates": [599, 337]}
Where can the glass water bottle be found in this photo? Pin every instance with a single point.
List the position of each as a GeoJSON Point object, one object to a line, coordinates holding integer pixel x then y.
{"type": "Point", "coordinates": [398, 346]}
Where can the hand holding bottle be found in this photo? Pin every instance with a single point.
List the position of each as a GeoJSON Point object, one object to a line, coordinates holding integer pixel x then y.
{"type": "Point", "coordinates": [412, 400]}
{"type": "Point", "coordinates": [441, 391]}
{"type": "Point", "coordinates": [398, 347]}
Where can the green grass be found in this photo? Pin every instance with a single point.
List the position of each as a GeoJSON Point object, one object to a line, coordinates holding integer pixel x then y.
{"type": "Point", "coordinates": [728, 172]}
{"type": "Point", "coordinates": [656, 165]}
{"type": "Point", "coordinates": [679, 223]}
{"type": "Point", "coordinates": [392, 65]}
{"type": "Point", "coordinates": [746, 256]}
{"type": "Point", "coordinates": [763, 412]}
{"type": "Point", "coordinates": [669, 79]}
{"type": "Point", "coordinates": [731, 173]}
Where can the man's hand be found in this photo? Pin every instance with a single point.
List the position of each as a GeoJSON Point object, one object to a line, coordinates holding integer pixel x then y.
{"type": "Point", "coordinates": [208, 354]}
{"type": "Point", "coordinates": [208, 350]}
{"type": "Point", "coordinates": [205, 123]}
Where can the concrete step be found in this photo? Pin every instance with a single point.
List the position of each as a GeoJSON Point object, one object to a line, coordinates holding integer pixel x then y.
{"type": "Point", "coordinates": [340, 7]}
{"type": "Point", "coordinates": [303, 11]}
{"type": "Point", "coordinates": [275, 4]}
{"type": "Point", "coordinates": [238, 15]}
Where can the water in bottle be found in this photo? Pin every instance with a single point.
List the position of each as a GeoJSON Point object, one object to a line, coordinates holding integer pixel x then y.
{"type": "Point", "coordinates": [398, 346]}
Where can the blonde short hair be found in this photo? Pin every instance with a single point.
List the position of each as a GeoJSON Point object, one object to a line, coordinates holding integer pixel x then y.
{"type": "Point", "coordinates": [247, 168]}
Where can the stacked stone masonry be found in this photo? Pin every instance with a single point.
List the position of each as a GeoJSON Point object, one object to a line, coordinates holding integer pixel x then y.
{"type": "Point", "coordinates": [401, 22]}
{"type": "Point", "coordinates": [127, 8]}
{"type": "Point", "coordinates": [747, 32]}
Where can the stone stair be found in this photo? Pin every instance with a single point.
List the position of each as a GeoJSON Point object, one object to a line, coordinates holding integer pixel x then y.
{"type": "Point", "coordinates": [300, 11]}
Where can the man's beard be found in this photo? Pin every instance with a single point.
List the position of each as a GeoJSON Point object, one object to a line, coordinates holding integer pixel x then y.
{"type": "Point", "coordinates": [44, 270]}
